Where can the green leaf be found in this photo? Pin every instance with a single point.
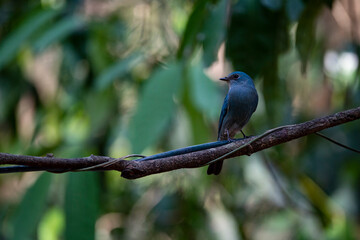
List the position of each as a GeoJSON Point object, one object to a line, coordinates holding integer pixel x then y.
{"type": "Point", "coordinates": [31, 208]}
{"type": "Point", "coordinates": [102, 108]}
{"type": "Point", "coordinates": [272, 4]}
{"type": "Point", "coordinates": [256, 37]}
{"type": "Point", "coordinates": [305, 33]}
{"type": "Point", "coordinates": [214, 31]}
{"type": "Point", "coordinates": [271, 83]}
{"type": "Point", "coordinates": [156, 107]}
{"type": "Point", "coordinates": [81, 205]}
{"type": "Point", "coordinates": [58, 31]}
{"type": "Point", "coordinates": [192, 30]}
{"type": "Point", "coordinates": [206, 25]}
{"type": "Point", "coordinates": [117, 70]}
{"type": "Point", "coordinates": [204, 93]}
{"type": "Point", "coordinates": [97, 45]}
{"type": "Point", "coordinates": [294, 9]}
{"type": "Point", "coordinates": [10, 45]}
{"type": "Point", "coordinates": [200, 132]}
{"type": "Point", "coordinates": [318, 199]}
{"type": "Point", "coordinates": [52, 224]}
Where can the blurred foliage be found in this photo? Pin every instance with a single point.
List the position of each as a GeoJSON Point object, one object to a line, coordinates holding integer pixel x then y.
{"type": "Point", "coordinates": [119, 77]}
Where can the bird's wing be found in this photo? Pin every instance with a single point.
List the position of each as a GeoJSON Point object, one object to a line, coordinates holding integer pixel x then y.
{"type": "Point", "coordinates": [256, 102]}
{"type": "Point", "coordinates": [223, 113]}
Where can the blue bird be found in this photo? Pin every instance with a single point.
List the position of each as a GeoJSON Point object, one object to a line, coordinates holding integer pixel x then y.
{"type": "Point", "coordinates": [239, 104]}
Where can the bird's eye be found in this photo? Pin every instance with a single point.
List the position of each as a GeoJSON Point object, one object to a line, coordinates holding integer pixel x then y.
{"type": "Point", "coordinates": [236, 76]}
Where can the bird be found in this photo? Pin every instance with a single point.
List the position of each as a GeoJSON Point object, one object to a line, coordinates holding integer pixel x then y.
{"type": "Point", "coordinates": [239, 104]}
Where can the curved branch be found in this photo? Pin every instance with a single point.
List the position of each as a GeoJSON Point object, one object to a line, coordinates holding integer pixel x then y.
{"type": "Point", "coordinates": [194, 159]}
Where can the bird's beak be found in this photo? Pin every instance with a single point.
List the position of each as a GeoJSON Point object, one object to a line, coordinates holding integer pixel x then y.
{"type": "Point", "coordinates": [224, 79]}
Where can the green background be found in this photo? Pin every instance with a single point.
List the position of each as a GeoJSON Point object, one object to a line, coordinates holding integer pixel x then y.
{"type": "Point", "coordinates": [119, 77]}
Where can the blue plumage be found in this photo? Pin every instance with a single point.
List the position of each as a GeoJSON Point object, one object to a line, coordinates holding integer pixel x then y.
{"type": "Point", "coordinates": [239, 104]}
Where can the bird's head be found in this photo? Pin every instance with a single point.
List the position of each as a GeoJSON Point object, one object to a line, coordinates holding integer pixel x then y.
{"type": "Point", "coordinates": [238, 78]}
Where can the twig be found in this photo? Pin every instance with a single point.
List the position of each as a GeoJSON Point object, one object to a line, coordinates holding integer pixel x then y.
{"type": "Point", "coordinates": [337, 143]}
{"type": "Point", "coordinates": [194, 159]}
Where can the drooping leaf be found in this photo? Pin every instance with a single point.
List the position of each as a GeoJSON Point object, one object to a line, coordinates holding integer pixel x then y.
{"type": "Point", "coordinates": [81, 205]}
{"type": "Point", "coordinates": [276, 97]}
{"type": "Point", "coordinates": [272, 4]}
{"type": "Point", "coordinates": [206, 25]}
{"type": "Point", "coordinates": [58, 31]}
{"type": "Point", "coordinates": [31, 208]}
{"type": "Point", "coordinates": [214, 31]}
{"type": "Point", "coordinates": [195, 106]}
{"type": "Point", "coordinates": [156, 107]}
{"type": "Point", "coordinates": [317, 198]}
{"type": "Point", "coordinates": [256, 36]}
{"type": "Point", "coordinates": [52, 224]}
{"type": "Point", "coordinates": [10, 45]}
{"type": "Point", "coordinates": [115, 71]}
{"type": "Point", "coordinates": [192, 30]}
{"type": "Point", "coordinates": [305, 33]}
{"type": "Point", "coordinates": [294, 8]}
{"type": "Point", "coordinates": [204, 93]}
{"type": "Point", "coordinates": [101, 108]}
{"type": "Point", "coordinates": [100, 36]}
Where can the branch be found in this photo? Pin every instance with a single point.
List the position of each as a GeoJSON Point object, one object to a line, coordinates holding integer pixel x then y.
{"type": "Point", "coordinates": [165, 162]}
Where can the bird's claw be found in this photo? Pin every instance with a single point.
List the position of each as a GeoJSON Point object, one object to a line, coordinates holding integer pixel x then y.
{"type": "Point", "coordinates": [231, 140]}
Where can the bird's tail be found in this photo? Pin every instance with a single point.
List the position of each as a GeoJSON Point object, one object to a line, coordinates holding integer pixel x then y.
{"type": "Point", "coordinates": [215, 168]}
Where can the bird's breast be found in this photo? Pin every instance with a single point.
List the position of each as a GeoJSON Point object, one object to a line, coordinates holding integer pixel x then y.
{"type": "Point", "coordinates": [242, 99]}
